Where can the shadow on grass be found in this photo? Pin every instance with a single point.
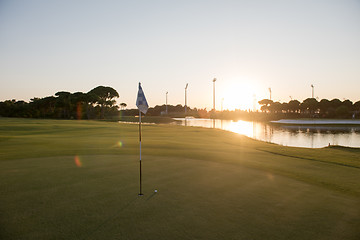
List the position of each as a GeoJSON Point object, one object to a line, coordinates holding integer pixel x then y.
{"type": "Point", "coordinates": [151, 196]}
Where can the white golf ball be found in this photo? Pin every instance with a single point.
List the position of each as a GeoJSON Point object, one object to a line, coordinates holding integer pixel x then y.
{"type": "Point", "coordinates": [155, 190]}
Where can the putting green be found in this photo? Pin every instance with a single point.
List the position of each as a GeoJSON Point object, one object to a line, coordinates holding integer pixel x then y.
{"type": "Point", "coordinates": [79, 180]}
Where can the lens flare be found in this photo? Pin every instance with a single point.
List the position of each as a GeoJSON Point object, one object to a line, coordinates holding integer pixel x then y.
{"type": "Point", "coordinates": [78, 111]}
{"type": "Point", "coordinates": [78, 161]}
{"type": "Point", "coordinates": [270, 177]}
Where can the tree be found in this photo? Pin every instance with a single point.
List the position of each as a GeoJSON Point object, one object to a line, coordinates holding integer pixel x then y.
{"type": "Point", "coordinates": [90, 100]}
{"type": "Point", "coordinates": [78, 100]}
{"type": "Point", "coordinates": [43, 107]}
{"type": "Point", "coordinates": [123, 106]}
{"type": "Point", "coordinates": [265, 104]}
{"type": "Point", "coordinates": [47, 106]}
{"type": "Point", "coordinates": [294, 106]}
{"type": "Point", "coordinates": [64, 103]}
{"type": "Point", "coordinates": [310, 104]}
{"type": "Point", "coordinates": [275, 107]}
{"type": "Point", "coordinates": [105, 97]}
{"type": "Point", "coordinates": [324, 106]}
{"type": "Point", "coordinates": [285, 107]}
{"type": "Point", "coordinates": [13, 108]}
{"type": "Point", "coordinates": [347, 103]}
{"type": "Point", "coordinates": [335, 103]}
{"type": "Point", "coordinates": [342, 112]}
{"type": "Point", "coordinates": [357, 106]}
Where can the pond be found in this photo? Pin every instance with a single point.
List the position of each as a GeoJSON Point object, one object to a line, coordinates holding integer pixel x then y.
{"type": "Point", "coordinates": [308, 136]}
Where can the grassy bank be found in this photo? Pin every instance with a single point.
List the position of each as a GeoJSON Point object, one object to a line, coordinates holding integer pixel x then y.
{"type": "Point", "coordinates": [79, 180]}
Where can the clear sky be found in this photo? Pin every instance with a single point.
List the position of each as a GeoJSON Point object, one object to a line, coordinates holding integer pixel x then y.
{"type": "Point", "coordinates": [249, 46]}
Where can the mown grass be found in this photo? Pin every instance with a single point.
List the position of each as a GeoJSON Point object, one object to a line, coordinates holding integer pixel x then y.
{"type": "Point", "coordinates": [79, 180]}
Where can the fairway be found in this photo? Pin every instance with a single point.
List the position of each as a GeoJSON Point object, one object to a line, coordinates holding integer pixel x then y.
{"type": "Point", "coordinates": [80, 180]}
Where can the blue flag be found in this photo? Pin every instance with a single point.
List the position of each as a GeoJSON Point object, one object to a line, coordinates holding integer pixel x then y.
{"type": "Point", "coordinates": [141, 102]}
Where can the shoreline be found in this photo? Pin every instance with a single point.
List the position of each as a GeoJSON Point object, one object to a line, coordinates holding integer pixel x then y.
{"type": "Point", "coordinates": [316, 122]}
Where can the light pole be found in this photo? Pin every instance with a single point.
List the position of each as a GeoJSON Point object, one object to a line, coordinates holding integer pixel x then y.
{"type": "Point", "coordinates": [185, 97]}
{"type": "Point", "coordinates": [254, 102]}
{"type": "Point", "coordinates": [312, 92]}
{"type": "Point", "coordinates": [167, 103]}
{"type": "Point", "coordinates": [214, 80]}
{"type": "Point", "coordinates": [270, 92]}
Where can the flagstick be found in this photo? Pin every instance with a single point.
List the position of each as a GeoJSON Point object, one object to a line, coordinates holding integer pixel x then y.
{"type": "Point", "coordinates": [140, 194]}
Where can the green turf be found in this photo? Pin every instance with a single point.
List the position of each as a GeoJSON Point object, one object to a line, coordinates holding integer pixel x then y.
{"type": "Point", "coordinates": [79, 180]}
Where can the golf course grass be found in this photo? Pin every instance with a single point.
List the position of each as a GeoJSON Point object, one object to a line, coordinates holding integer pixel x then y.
{"type": "Point", "coordinates": [62, 179]}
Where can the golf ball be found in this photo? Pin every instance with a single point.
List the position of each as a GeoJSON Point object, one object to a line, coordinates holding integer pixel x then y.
{"type": "Point", "coordinates": [155, 190]}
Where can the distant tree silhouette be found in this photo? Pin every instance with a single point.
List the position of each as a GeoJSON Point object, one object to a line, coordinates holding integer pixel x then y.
{"type": "Point", "coordinates": [100, 103]}
{"type": "Point", "coordinates": [78, 102]}
{"type": "Point", "coordinates": [91, 99]}
{"type": "Point", "coordinates": [357, 106]}
{"type": "Point", "coordinates": [294, 106]}
{"type": "Point", "coordinates": [335, 103]}
{"type": "Point", "coordinates": [42, 107]}
{"type": "Point", "coordinates": [266, 103]}
{"type": "Point", "coordinates": [324, 106]}
{"type": "Point", "coordinates": [310, 105]}
{"type": "Point", "coordinates": [275, 107]}
{"type": "Point", "coordinates": [123, 106]}
{"type": "Point", "coordinates": [105, 97]}
{"type": "Point", "coordinates": [342, 111]}
{"type": "Point", "coordinates": [347, 103]}
{"type": "Point", "coordinates": [63, 102]}
{"type": "Point", "coordinates": [13, 108]}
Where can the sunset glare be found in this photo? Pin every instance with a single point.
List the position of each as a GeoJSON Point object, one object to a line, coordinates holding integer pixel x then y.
{"type": "Point", "coordinates": [239, 95]}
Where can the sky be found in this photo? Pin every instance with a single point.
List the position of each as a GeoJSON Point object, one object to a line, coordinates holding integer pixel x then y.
{"type": "Point", "coordinates": [248, 46]}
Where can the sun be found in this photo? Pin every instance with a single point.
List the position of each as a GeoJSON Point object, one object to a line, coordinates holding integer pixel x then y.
{"type": "Point", "coordinates": [240, 95]}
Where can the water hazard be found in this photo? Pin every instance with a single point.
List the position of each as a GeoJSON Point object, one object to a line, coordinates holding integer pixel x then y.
{"type": "Point", "coordinates": [308, 136]}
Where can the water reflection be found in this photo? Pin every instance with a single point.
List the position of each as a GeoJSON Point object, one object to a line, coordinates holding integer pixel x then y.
{"type": "Point", "coordinates": [287, 135]}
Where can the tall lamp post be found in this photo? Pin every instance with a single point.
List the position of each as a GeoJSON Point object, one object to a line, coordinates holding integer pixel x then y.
{"type": "Point", "coordinates": [185, 98]}
{"type": "Point", "coordinates": [270, 92]}
{"type": "Point", "coordinates": [312, 92]}
{"type": "Point", "coordinates": [214, 80]}
{"type": "Point", "coordinates": [167, 103]}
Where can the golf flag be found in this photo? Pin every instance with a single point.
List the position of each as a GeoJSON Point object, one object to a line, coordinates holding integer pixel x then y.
{"type": "Point", "coordinates": [143, 106]}
{"type": "Point", "coordinates": [141, 102]}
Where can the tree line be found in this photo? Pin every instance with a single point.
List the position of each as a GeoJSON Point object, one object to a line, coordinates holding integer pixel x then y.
{"type": "Point", "coordinates": [311, 107]}
{"type": "Point", "coordinates": [269, 110]}
{"type": "Point", "coordinates": [98, 103]}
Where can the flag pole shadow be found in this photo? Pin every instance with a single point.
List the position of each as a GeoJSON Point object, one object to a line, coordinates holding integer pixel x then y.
{"type": "Point", "coordinates": [151, 196]}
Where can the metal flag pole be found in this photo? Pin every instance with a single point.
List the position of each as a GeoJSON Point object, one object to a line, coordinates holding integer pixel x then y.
{"type": "Point", "coordinates": [140, 194]}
